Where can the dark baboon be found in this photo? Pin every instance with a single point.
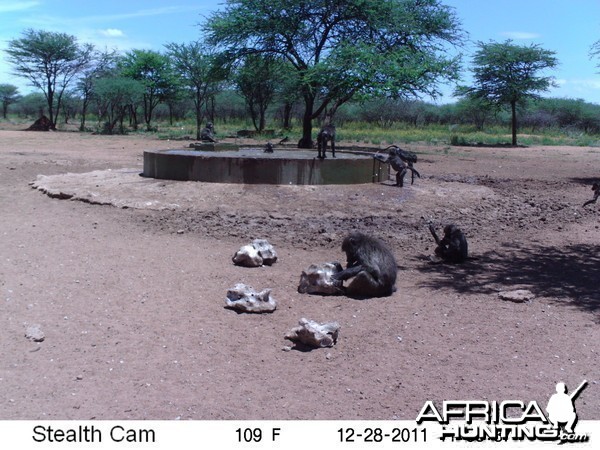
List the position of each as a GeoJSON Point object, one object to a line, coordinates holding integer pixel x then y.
{"type": "Point", "coordinates": [371, 264]}
{"type": "Point", "coordinates": [401, 161]}
{"type": "Point", "coordinates": [268, 148]}
{"type": "Point", "coordinates": [208, 133]}
{"type": "Point", "coordinates": [596, 189]}
{"type": "Point", "coordinates": [327, 133]}
{"type": "Point", "coordinates": [453, 246]}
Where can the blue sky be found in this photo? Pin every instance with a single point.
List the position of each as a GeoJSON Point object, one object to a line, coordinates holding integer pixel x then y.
{"type": "Point", "coordinates": [567, 27]}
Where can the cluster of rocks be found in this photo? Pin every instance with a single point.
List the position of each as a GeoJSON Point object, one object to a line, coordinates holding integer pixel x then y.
{"type": "Point", "coordinates": [317, 279]}
{"type": "Point", "coordinates": [255, 254]}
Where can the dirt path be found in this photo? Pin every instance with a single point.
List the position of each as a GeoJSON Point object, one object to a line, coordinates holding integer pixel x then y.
{"type": "Point", "coordinates": [131, 298]}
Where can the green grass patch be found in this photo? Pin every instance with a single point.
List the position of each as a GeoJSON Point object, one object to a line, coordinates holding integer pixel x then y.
{"type": "Point", "coordinates": [364, 133]}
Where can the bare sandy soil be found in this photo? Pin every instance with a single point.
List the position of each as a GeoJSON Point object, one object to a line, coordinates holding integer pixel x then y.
{"type": "Point", "coordinates": [129, 284]}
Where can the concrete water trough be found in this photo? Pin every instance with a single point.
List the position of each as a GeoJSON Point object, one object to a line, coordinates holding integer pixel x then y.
{"type": "Point", "coordinates": [253, 166]}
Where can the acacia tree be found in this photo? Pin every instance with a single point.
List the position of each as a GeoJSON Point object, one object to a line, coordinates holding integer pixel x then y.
{"type": "Point", "coordinates": [341, 49]}
{"type": "Point", "coordinates": [103, 63]}
{"type": "Point", "coordinates": [31, 104]}
{"type": "Point", "coordinates": [195, 64]}
{"type": "Point", "coordinates": [9, 94]}
{"type": "Point", "coordinates": [115, 95]}
{"type": "Point", "coordinates": [474, 110]}
{"type": "Point", "coordinates": [257, 81]}
{"type": "Point", "coordinates": [287, 93]}
{"type": "Point", "coordinates": [509, 74]}
{"type": "Point", "coordinates": [595, 51]}
{"type": "Point", "coordinates": [49, 61]}
{"type": "Point", "coordinates": [154, 71]}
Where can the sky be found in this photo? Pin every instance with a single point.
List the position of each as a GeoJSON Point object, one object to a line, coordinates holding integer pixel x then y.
{"type": "Point", "coordinates": [566, 27]}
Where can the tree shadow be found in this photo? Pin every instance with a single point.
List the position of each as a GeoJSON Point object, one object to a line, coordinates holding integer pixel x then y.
{"type": "Point", "coordinates": [586, 181]}
{"type": "Point", "coordinates": [570, 274]}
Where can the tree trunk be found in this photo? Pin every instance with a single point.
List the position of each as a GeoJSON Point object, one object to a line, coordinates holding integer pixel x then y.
{"type": "Point", "coordinates": [210, 108]}
{"type": "Point", "coordinates": [198, 120]}
{"type": "Point", "coordinates": [287, 116]}
{"type": "Point", "coordinates": [198, 106]}
{"type": "Point", "coordinates": [262, 120]}
{"type": "Point", "coordinates": [306, 140]}
{"type": "Point", "coordinates": [253, 114]}
{"type": "Point", "coordinates": [513, 107]}
{"type": "Point", "coordinates": [121, 118]}
{"type": "Point", "coordinates": [133, 119]}
{"type": "Point", "coordinates": [50, 98]}
{"type": "Point", "coordinates": [84, 108]}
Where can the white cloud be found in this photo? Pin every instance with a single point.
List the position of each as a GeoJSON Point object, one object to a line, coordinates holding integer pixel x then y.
{"type": "Point", "coordinates": [520, 35]}
{"type": "Point", "coordinates": [149, 12]}
{"type": "Point", "coordinates": [585, 84]}
{"type": "Point", "coordinates": [112, 32]}
{"type": "Point", "coordinates": [587, 89]}
{"type": "Point", "coordinates": [11, 6]}
{"type": "Point", "coordinates": [100, 30]}
{"type": "Point", "coordinates": [61, 21]}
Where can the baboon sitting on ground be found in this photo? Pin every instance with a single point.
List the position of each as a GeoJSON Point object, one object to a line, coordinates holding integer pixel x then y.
{"type": "Point", "coordinates": [208, 133]}
{"type": "Point", "coordinates": [453, 246]}
{"type": "Point", "coordinates": [372, 266]}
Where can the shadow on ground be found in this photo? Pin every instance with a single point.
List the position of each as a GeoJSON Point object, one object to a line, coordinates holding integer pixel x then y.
{"type": "Point", "coordinates": [570, 274]}
{"type": "Point", "coordinates": [585, 181]}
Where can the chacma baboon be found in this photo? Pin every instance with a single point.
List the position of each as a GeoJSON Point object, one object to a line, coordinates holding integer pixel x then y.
{"type": "Point", "coordinates": [401, 161]}
{"type": "Point", "coordinates": [208, 133]}
{"type": "Point", "coordinates": [371, 264]}
{"type": "Point", "coordinates": [596, 189]}
{"type": "Point", "coordinates": [268, 148]}
{"type": "Point", "coordinates": [327, 133]}
{"type": "Point", "coordinates": [283, 141]}
{"type": "Point", "coordinates": [453, 246]}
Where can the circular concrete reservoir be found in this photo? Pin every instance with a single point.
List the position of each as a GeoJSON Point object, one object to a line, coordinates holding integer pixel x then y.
{"type": "Point", "coordinates": [253, 166]}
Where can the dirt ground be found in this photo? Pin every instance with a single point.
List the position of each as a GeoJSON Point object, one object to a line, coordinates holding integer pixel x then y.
{"type": "Point", "coordinates": [128, 286]}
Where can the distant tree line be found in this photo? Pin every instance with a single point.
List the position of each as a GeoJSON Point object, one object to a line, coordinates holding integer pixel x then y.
{"type": "Point", "coordinates": [290, 62]}
{"type": "Point", "coordinates": [319, 54]}
{"type": "Point", "coordinates": [536, 115]}
{"type": "Point", "coordinates": [568, 115]}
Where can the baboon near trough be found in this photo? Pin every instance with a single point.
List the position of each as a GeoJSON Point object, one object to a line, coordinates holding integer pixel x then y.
{"type": "Point", "coordinates": [596, 189]}
{"type": "Point", "coordinates": [327, 133]}
{"type": "Point", "coordinates": [401, 161]}
{"type": "Point", "coordinates": [453, 246]}
{"type": "Point", "coordinates": [371, 264]}
{"type": "Point", "coordinates": [268, 148]}
{"type": "Point", "coordinates": [208, 133]}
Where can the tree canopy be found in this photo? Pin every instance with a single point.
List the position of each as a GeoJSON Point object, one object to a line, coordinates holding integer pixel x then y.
{"type": "Point", "coordinates": [595, 51]}
{"type": "Point", "coordinates": [341, 49]}
{"type": "Point", "coordinates": [199, 73]}
{"type": "Point", "coordinates": [154, 71]}
{"type": "Point", "coordinates": [49, 61]}
{"type": "Point", "coordinates": [509, 74]}
{"type": "Point", "coordinates": [9, 94]}
{"type": "Point", "coordinates": [257, 81]}
{"type": "Point", "coordinates": [114, 96]}
{"type": "Point", "coordinates": [102, 64]}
